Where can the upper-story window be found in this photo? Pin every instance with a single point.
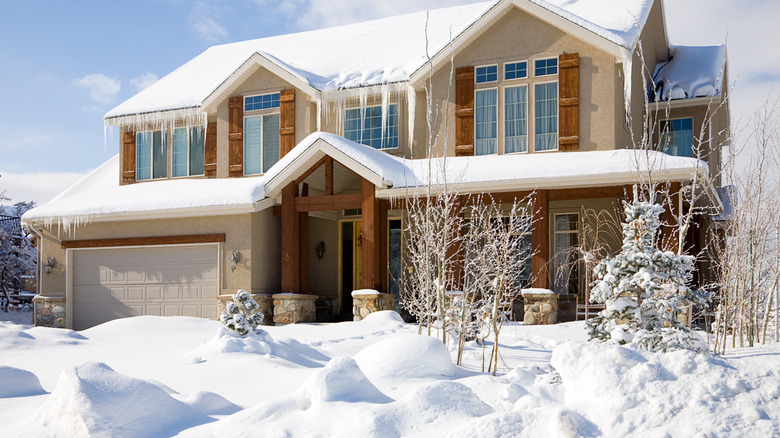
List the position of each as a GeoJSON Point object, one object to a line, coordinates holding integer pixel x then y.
{"type": "Point", "coordinates": [151, 155]}
{"type": "Point", "coordinates": [546, 67]}
{"type": "Point", "coordinates": [486, 74]}
{"type": "Point", "coordinates": [364, 125]}
{"type": "Point", "coordinates": [188, 151]}
{"type": "Point", "coordinates": [503, 111]}
{"type": "Point", "coordinates": [515, 70]}
{"type": "Point", "coordinates": [261, 133]}
{"type": "Point", "coordinates": [677, 137]}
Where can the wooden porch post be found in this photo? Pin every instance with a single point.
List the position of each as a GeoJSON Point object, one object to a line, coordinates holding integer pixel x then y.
{"type": "Point", "coordinates": [540, 243]}
{"type": "Point", "coordinates": [290, 240]}
{"type": "Point", "coordinates": [384, 286]}
{"type": "Point", "coordinates": [371, 244]}
{"type": "Point", "coordinates": [303, 251]}
{"type": "Point", "coordinates": [669, 232]}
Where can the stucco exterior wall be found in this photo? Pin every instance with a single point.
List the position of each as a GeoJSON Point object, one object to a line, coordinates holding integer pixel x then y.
{"type": "Point", "coordinates": [266, 256]}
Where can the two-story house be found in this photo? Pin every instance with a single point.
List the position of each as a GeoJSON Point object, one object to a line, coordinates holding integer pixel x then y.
{"type": "Point", "coordinates": [278, 164]}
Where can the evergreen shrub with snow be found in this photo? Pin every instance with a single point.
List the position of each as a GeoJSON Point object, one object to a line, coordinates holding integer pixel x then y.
{"type": "Point", "coordinates": [644, 289]}
{"type": "Point", "coordinates": [243, 315]}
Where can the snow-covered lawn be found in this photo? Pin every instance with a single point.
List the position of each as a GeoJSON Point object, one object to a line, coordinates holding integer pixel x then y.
{"type": "Point", "coordinates": [152, 376]}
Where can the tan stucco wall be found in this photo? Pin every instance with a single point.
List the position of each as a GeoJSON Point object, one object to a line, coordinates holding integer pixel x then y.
{"type": "Point", "coordinates": [520, 36]}
{"type": "Point", "coordinates": [266, 255]}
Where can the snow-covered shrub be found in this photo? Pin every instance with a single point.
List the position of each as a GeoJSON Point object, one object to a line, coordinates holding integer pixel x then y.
{"type": "Point", "coordinates": [644, 288]}
{"type": "Point", "coordinates": [243, 315]}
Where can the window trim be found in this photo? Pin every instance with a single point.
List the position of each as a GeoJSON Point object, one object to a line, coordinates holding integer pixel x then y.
{"type": "Point", "coordinates": [189, 151]}
{"type": "Point", "coordinates": [557, 67]}
{"type": "Point", "coordinates": [164, 140]}
{"type": "Point", "coordinates": [527, 117]}
{"type": "Point", "coordinates": [557, 116]}
{"type": "Point", "coordinates": [476, 81]}
{"type": "Point", "coordinates": [262, 139]}
{"type": "Point", "coordinates": [398, 121]}
{"type": "Point", "coordinates": [527, 73]}
{"type": "Point", "coordinates": [498, 120]}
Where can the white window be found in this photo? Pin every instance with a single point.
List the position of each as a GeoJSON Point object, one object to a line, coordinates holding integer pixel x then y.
{"type": "Point", "coordinates": [486, 74]}
{"type": "Point", "coordinates": [516, 119]}
{"type": "Point", "coordinates": [515, 70]}
{"type": "Point", "coordinates": [677, 137]}
{"type": "Point", "coordinates": [151, 155]}
{"type": "Point", "coordinates": [188, 151]}
{"type": "Point", "coordinates": [364, 126]}
{"type": "Point", "coordinates": [486, 121]}
{"type": "Point", "coordinates": [546, 67]}
{"type": "Point", "coordinates": [566, 262]}
{"type": "Point", "coordinates": [546, 116]}
{"type": "Point", "coordinates": [261, 143]}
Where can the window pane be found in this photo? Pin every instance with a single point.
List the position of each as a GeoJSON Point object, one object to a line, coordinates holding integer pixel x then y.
{"type": "Point", "coordinates": [159, 155]}
{"type": "Point", "coordinates": [677, 137]}
{"type": "Point", "coordinates": [486, 74]}
{"type": "Point", "coordinates": [270, 141]}
{"type": "Point", "coordinates": [566, 256]}
{"type": "Point", "coordinates": [515, 70]}
{"type": "Point", "coordinates": [253, 141]}
{"type": "Point", "coordinates": [544, 67]}
{"type": "Point", "coordinates": [365, 126]}
{"type": "Point", "coordinates": [197, 149]}
{"type": "Point", "coordinates": [516, 119]}
{"type": "Point", "coordinates": [394, 259]}
{"type": "Point", "coordinates": [486, 121]}
{"type": "Point", "coordinates": [263, 101]}
{"type": "Point", "coordinates": [546, 124]}
{"type": "Point", "coordinates": [143, 156]}
{"type": "Point", "coordinates": [180, 147]}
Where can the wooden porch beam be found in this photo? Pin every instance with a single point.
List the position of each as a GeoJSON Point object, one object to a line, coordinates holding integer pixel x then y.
{"type": "Point", "coordinates": [540, 240]}
{"type": "Point", "coordinates": [371, 246]}
{"type": "Point", "coordinates": [290, 240]}
{"type": "Point", "coordinates": [311, 170]}
{"type": "Point", "coordinates": [144, 241]}
{"type": "Point", "coordinates": [324, 203]}
{"type": "Point", "coordinates": [328, 176]}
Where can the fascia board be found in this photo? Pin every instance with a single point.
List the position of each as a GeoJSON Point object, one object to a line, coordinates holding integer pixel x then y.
{"type": "Point", "coordinates": [534, 9]}
{"type": "Point", "coordinates": [258, 60]}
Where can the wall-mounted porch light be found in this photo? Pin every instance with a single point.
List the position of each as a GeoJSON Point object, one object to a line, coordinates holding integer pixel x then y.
{"type": "Point", "coordinates": [320, 250]}
{"type": "Point", "coordinates": [50, 264]}
{"type": "Point", "coordinates": [234, 259]}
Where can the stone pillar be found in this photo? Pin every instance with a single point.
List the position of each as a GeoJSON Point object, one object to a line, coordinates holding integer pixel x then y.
{"type": "Point", "coordinates": [292, 308]}
{"type": "Point", "coordinates": [49, 311]}
{"type": "Point", "coordinates": [540, 306]}
{"type": "Point", "coordinates": [366, 301]}
{"type": "Point", "coordinates": [265, 301]}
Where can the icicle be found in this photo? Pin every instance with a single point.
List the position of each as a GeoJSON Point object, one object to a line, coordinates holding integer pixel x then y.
{"type": "Point", "coordinates": [411, 103]}
{"type": "Point", "coordinates": [628, 65]}
{"type": "Point", "coordinates": [160, 120]}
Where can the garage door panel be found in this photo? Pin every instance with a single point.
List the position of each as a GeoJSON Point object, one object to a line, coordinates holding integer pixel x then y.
{"type": "Point", "coordinates": [167, 281]}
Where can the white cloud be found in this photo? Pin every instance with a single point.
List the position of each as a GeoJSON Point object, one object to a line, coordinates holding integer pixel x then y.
{"type": "Point", "coordinates": [203, 21]}
{"type": "Point", "coordinates": [101, 88]}
{"type": "Point", "coordinates": [143, 81]}
{"type": "Point", "coordinates": [37, 186]}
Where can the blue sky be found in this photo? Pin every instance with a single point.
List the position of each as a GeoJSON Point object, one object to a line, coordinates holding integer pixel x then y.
{"type": "Point", "coordinates": [65, 64]}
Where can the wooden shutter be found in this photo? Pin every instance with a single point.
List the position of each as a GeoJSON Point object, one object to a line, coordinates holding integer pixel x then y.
{"type": "Point", "coordinates": [286, 122]}
{"type": "Point", "coordinates": [569, 102]}
{"type": "Point", "coordinates": [464, 111]}
{"type": "Point", "coordinates": [236, 136]}
{"type": "Point", "coordinates": [210, 150]}
{"type": "Point", "coordinates": [128, 157]}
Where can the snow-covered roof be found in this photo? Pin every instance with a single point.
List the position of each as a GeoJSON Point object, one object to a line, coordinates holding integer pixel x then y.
{"type": "Point", "coordinates": [374, 52]}
{"type": "Point", "coordinates": [99, 195]}
{"type": "Point", "coordinates": [691, 72]}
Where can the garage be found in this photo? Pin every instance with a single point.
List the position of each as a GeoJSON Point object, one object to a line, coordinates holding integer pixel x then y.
{"type": "Point", "coordinates": [179, 280]}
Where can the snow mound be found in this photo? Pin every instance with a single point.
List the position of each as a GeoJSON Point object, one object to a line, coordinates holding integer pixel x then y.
{"type": "Point", "coordinates": [94, 400]}
{"type": "Point", "coordinates": [18, 383]}
{"type": "Point", "coordinates": [258, 342]}
{"type": "Point", "coordinates": [383, 316]}
{"type": "Point", "coordinates": [340, 380]}
{"type": "Point", "coordinates": [209, 403]}
{"type": "Point", "coordinates": [441, 398]}
{"type": "Point", "coordinates": [406, 356]}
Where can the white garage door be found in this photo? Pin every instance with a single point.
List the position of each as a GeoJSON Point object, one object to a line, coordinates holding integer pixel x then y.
{"type": "Point", "coordinates": [161, 280]}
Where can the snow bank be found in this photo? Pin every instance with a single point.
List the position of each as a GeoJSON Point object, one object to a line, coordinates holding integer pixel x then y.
{"type": "Point", "coordinates": [340, 380]}
{"type": "Point", "coordinates": [663, 392]}
{"type": "Point", "coordinates": [260, 342]}
{"type": "Point", "coordinates": [406, 356]}
{"type": "Point", "coordinates": [17, 382]}
{"type": "Point", "coordinates": [209, 403]}
{"type": "Point", "coordinates": [94, 400]}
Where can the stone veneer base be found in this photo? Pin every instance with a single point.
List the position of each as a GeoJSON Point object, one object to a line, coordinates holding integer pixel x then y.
{"type": "Point", "coordinates": [292, 308]}
{"type": "Point", "coordinates": [49, 311]}
{"type": "Point", "coordinates": [540, 308]}
{"type": "Point", "coordinates": [365, 304]}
